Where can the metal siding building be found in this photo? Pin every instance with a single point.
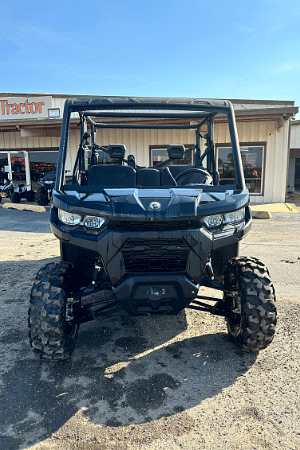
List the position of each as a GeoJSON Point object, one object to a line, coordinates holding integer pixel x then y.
{"type": "Point", "coordinates": [31, 123]}
{"type": "Point", "coordinates": [294, 160]}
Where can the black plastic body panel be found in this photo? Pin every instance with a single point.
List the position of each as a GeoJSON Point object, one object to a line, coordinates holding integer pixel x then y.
{"type": "Point", "coordinates": [155, 294]}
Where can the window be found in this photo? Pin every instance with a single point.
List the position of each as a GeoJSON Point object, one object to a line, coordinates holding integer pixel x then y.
{"type": "Point", "coordinates": [159, 154]}
{"type": "Point", "coordinates": [253, 164]}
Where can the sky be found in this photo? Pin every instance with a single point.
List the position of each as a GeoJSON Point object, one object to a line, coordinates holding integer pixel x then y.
{"type": "Point", "coordinates": [167, 48]}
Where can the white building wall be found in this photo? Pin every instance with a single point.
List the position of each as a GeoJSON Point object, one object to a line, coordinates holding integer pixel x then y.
{"type": "Point", "coordinates": [13, 140]}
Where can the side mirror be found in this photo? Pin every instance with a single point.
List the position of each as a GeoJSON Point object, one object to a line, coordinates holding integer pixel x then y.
{"type": "Point", "coordinates": [175, 151]}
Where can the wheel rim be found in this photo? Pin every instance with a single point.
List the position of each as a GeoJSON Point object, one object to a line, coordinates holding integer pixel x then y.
{"type": "Point", "coordinates": [71, 327]}
{"type": "Point", "coordinates": [234, 321]}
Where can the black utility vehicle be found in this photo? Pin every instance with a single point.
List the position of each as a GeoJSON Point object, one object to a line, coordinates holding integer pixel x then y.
{"type": "Point", "coordinates": [43, 195]}
{"type": "Point", "coordinates": [146, 238]}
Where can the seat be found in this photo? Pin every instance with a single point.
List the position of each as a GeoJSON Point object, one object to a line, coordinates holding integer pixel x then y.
{"type": "Point", "coordinates": [111, 176]}
{"type": "Point", "coordinates": [148, 176]}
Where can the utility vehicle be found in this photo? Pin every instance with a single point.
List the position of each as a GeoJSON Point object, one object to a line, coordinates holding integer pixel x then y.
{"type": "Point", "coordinates": [43, 195]}
{"type": "Point", "coordinates": [146, 234]}
{"type": "Point", "coordinates": [16, 192]}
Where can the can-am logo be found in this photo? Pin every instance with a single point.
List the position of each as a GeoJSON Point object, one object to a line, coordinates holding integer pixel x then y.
{"type": "Point", "coordinates": [155, 205]}
{"type": "Point", "coordinates": [21, 108]}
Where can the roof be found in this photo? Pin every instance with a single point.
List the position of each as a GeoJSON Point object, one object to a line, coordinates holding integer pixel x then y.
{"type": "Point", "coordinates": [245, 109]}
{"type": "Point", "coordinates": [109, 103]}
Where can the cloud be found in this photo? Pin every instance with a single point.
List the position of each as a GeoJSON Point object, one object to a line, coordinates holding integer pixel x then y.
{"type": "Point", "coordinates": [284, 67]}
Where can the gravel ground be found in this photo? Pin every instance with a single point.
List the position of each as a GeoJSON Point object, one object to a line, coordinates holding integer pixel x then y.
{"type": "Point", "coordinates": [149, 383]}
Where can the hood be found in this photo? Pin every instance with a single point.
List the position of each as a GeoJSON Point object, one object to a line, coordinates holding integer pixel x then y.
{"type": "Point", "coordinates": [151, 203]}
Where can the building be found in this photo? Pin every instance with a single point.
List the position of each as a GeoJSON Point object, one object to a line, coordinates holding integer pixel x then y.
{"type": "Point", "coordinates": [30, 134]}
{"type": "Point", "coordinates": [294, 159]}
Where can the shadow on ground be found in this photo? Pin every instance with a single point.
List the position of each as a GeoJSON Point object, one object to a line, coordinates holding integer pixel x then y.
{"type": "Point", "coordinates": [124, 371]}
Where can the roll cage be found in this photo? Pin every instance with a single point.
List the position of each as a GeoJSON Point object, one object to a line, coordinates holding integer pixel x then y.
{"type": "Point", "coordinates": [97, 113]}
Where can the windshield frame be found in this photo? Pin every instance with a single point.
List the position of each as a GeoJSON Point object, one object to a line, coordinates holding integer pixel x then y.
{"type": "Point", "coordinates": [200, 110]}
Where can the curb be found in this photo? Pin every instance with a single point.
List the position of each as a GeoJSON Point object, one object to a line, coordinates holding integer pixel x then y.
{"type": "Point", "coordinates": [291, 207]}
{"type": "Point", "coordinates": [35, 208]}
{"type": "Point", "coordinates": [261, 215]}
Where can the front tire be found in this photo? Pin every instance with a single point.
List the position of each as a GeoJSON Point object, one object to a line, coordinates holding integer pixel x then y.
{"type": "Point", "coordinates": [30, 196]}
{"type": "Point", "coordinates": [15, 197]}
{"type": "Point", "coordinates": [51, 336]}
{"type": "Point", "coordinates": [251, 326]}
{"type": "Point", "coordinates": [41, 196]}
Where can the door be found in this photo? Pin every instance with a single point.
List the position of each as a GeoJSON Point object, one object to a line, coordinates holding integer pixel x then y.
{"type": "Point", "coordinates": [297, 174]}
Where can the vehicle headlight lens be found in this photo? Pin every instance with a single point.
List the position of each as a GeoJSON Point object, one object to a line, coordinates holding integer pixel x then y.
{"type": "Point", "coordinates": [235, 216]}
{"type": "Point", "coordinates": [93, 222]}
{"type": "Point", "coordinates": [221, 219]}
{"type": "Point", "coordinates": [69, 218]}
{"type": "Point", "coordinates": [214, 221]}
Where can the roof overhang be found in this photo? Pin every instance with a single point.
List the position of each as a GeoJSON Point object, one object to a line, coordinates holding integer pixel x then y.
{"type": "Point", "coordinates": [245, 110]}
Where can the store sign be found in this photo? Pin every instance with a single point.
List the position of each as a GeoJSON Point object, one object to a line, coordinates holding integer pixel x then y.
{"type": "Point", "coordinates": [24, 107]}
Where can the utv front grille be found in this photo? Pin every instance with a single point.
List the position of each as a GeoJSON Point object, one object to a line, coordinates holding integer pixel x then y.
{"type": "Point", "coordinates": [156, 225]}
{"type": "Point", "coordinates": [155, 256]}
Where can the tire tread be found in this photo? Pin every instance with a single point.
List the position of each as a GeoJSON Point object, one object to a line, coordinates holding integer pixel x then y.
{"type": "Point", "coordinates": [46, 316]}
{"type": "Point", "coordinates": [257, 297]}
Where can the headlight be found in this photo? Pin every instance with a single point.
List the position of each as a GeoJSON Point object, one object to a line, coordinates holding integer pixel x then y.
{"type": "Point", "coordinates": [220, 219]}
{"type": "Point", "coordinates": [93, 222]}
{"type": "Point", "coordinates": [214, 221]}
{"type": "Point", "coordinates": [235, 216]}
{"type": "Point", "coordinates": [69, 218]}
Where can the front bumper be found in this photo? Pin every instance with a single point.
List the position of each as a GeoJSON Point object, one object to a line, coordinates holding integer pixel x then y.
{"type": "Point", "coordinates": [155, 294]}
{"type": "Point", "coordinates": [128, 253]}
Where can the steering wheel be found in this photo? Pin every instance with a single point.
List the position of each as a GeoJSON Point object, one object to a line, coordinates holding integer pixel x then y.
{"type": "Point", "coordinates": [192, 170]}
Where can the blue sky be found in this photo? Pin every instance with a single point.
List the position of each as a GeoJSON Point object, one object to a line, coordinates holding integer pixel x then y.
{"type": "Point", "coordinates": [178, 48]}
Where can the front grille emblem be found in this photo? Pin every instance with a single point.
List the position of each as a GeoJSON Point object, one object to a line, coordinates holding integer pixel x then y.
{"type": "Point", "coordinates": [155, 205]}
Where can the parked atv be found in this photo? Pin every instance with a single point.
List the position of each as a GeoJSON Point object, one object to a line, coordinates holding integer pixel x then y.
{"type": "Point", "coordinates": [22, 191]}
{"type": "Point", "coordinates": [43, 195]}
{"type": "Point", "coordinates": [16, 192]}
{"type": "Point", "coordinates": [148, 238]}
{"type": "Point", "coordinates": [6, 189]}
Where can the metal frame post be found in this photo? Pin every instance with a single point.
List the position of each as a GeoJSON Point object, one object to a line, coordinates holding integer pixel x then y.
{"type": "Point", "coordinates": [27, 170]}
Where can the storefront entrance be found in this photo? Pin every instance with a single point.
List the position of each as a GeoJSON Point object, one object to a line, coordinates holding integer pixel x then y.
{"type": "Point", "coordinates": [13, 166]}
